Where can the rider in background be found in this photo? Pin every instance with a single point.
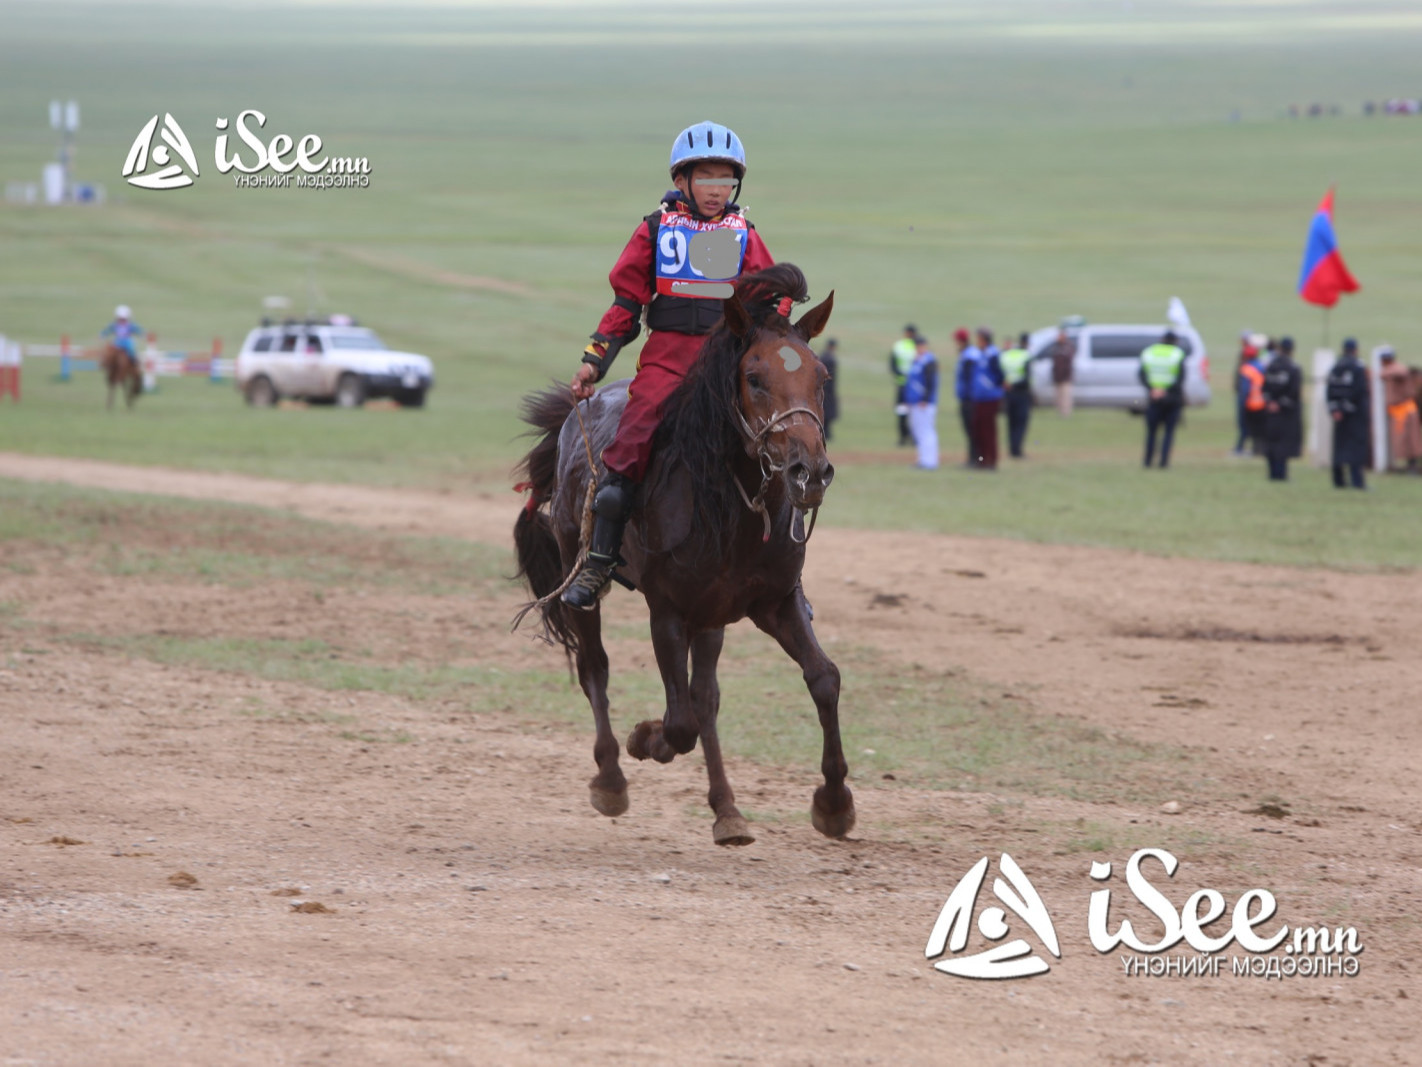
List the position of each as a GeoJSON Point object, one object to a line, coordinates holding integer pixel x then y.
{"type": "Point", "coordinates": [124, 333]}
{"type": "Point", "coordinates": [681, 263]}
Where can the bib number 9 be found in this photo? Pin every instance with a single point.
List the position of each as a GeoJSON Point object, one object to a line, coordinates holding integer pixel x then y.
{"type": "Point", "coordinates": [672, 245]}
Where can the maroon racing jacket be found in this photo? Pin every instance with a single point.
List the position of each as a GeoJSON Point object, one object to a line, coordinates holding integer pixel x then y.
{"type": "Point", "coordinates": [650, 256]}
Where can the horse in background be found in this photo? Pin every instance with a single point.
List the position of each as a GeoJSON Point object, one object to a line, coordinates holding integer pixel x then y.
{"type": "Point", "coordinates": [122, 373]}
{"type": "Point", "coordinates": [717, 535]}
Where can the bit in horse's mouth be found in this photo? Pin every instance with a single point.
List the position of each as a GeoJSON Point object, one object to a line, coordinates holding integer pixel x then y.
{"type": "Point", "coordinates": [804, 498]}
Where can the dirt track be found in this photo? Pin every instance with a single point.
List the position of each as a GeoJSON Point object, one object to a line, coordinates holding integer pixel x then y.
{"type": "Point", "coordinates": [482, 913]}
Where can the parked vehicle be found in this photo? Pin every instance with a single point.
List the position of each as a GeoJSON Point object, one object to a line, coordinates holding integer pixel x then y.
{"type": "Point", "coordinates": [1106, 370]}
{"type": "Point", "coordinates": [331, 361]}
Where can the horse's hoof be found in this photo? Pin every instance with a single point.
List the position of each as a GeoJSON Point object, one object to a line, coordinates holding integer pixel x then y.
{"type": "Point", "coordinates": [646, 742]}
{"type": "Point", "coordinates": [832, 824]}
{"type": "Point", "coordinates": [732, 830]}
{"type": "Point", "coordinates": [639, 740]}
{"type": "Point", "coordinates": [607, 802]}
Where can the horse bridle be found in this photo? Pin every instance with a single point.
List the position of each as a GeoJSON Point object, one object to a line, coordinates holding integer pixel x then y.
{"type": "Point", "coordinates": [755, 442]}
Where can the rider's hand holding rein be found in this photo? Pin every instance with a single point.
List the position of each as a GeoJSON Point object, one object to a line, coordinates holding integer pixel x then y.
{"type": "Point", "coordinates": [585, 380]}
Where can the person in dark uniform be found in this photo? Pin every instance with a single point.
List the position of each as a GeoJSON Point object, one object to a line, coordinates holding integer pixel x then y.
{"type": "Point", "coordinates": [1283, 411]}
{"type": "Point", "coordinates": [830, 358]}
{"type": "Point", "coordinates": [1163, 374]}
{"type": "Point", "coordinates": [1016, 363]}
{"type": "Point", "coordinates": [1350, 406]}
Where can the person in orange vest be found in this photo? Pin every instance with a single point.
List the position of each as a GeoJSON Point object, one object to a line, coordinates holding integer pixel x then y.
{"type": "Point", "coordinates": [1404, 426]}
{"type": "Point", "coordinates": [1247, 352]}
{"type": "Point", "coordinates": [1251, 398]}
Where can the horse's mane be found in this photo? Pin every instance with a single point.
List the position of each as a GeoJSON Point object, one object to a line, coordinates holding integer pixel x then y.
{"type": "Point", "coordinates": [698, 430]}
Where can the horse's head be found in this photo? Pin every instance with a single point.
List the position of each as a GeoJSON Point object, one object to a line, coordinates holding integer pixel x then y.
{"type": "Point", "coordinates": [782, 400]}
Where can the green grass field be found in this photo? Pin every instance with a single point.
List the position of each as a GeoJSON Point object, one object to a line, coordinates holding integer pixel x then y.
{"type": "Point", "coordinates": [949, 164]}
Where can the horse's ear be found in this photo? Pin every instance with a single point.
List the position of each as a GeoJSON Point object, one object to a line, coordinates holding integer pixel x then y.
{"type": "Point", "coordinates": [813, 322]}
{"type": "Point", "coordinates": [737, 321]}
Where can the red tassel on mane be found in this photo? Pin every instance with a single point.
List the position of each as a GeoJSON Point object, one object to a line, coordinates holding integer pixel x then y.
{"type": "Point", "coordinates": [532, 503]}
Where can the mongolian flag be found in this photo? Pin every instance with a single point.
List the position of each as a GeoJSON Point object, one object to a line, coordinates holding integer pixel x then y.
{"type": "Point", "coordinates": [1324, 275]}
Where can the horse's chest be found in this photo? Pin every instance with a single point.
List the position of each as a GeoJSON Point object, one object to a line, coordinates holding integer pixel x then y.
{"type": "Point", "coordinates": [726, 592]}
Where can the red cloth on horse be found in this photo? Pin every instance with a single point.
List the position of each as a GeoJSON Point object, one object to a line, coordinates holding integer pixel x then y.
{"type": "Point", "coordinates": [665, 359]}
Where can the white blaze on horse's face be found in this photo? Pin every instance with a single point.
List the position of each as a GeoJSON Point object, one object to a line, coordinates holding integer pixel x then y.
{"type": "Point", "coordinates": [782, 397]}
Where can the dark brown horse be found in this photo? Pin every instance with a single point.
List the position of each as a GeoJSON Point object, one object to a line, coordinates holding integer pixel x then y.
{"type": "Point", "coordinates": [718, 535]}
{"type": "Point", "coordinates": [121, 373]}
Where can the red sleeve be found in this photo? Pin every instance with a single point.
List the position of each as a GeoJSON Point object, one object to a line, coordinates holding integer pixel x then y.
{"type": "Point", "coordinates": [758, 257]}
{"type": "Point", "coordinates": [631, 279]}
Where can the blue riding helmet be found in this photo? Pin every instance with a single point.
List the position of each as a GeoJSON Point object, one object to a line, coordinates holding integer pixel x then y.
{"type": "Point", "coordinates": [708, 142]}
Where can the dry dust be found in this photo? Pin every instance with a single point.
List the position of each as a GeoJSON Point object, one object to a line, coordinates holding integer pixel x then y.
{"type": "Point", "coordinates": [479, 911]}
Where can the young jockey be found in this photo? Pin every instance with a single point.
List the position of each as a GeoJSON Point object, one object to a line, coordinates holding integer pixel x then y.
{"type": "Point", "coordinates": [681, 263]}
{"type": "Point", "coordinates": [124, 332]}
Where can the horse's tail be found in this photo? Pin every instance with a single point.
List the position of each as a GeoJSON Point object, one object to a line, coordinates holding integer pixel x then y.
{"type": "Point", "coordinates": [540, 563]}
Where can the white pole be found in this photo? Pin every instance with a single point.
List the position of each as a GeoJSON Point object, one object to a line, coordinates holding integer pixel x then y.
{"type": "Point", "coordinates": [1378, 411]}
{"type": "Point", "coordinates": [1320, 428]}
{"type": "Point", "coordinates": [150, 367]}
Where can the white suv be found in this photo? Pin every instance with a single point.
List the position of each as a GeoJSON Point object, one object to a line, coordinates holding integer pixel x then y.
{"type": "Point", "coordinates": [1106, 370]}
{"type": "Point", "coordinates": [328, 362]}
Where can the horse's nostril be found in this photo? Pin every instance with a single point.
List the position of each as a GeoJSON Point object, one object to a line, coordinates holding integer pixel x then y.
{"type": "Point", "coordinates": [799, 474]}
{"type": "Point", "coordinates": [828, 475]}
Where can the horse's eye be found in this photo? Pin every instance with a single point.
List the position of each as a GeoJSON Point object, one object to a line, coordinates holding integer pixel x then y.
{"type": "Point", "coordinates": [753, 380]}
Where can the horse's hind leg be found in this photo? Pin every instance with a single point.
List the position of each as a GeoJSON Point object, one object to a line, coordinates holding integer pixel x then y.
{"type": "Point", "coordinates": [608, 788]}
{"type": "Point", "coordinates": [675, 735]}
{"type": "Point", "coordinates": [789, 623]}
{"type": "Point", "coordinates": [731, 827]}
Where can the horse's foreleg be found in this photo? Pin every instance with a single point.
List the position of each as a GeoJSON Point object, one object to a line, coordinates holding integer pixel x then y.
{"type": "Point", "coordinates": [109, 406]}
{"type": "Point", "coordinates": [731, 827]}
{"type": "Point", "coordinates": [676, 734]}
{"type": "Point", "coordinates": [608, 788]}
{"type": "Point", "coordinates": [789, 623]}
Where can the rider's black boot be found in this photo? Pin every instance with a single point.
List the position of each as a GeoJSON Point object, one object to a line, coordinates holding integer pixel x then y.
{"type": "Point", "coordinates": [611, 508]}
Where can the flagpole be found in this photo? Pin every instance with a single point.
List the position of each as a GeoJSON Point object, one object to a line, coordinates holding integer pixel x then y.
{"type": "Point", "coordinates": [1326, 310]}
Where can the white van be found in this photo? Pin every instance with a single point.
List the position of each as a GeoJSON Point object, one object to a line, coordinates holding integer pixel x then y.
{"type": "Point", "coordinates": [328, 362]}
{"type": "Point", "coordinates": [1106, 370]}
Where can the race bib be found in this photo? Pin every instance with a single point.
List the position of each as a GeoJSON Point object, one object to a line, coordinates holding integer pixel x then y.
{"type": "Point", "coordinates": [700, 259]}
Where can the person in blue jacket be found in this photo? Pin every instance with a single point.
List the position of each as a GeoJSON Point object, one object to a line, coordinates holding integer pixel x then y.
{"type": "Point", "coordinates": [985, 391]}
{"type": "Point", "coordinates": [968, 359]}
{"type": "Point", "coordinates": [124, 333]}
{"type": "Point", "coordinates": [921, 396]}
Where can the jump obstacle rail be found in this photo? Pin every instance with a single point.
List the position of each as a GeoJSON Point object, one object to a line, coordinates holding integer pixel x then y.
{"type": "Point", "coordinates": [156, 363]}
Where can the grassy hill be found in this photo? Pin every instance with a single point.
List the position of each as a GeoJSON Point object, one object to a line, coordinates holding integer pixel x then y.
{"type": "Point", "coordinates": [947, 164]}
